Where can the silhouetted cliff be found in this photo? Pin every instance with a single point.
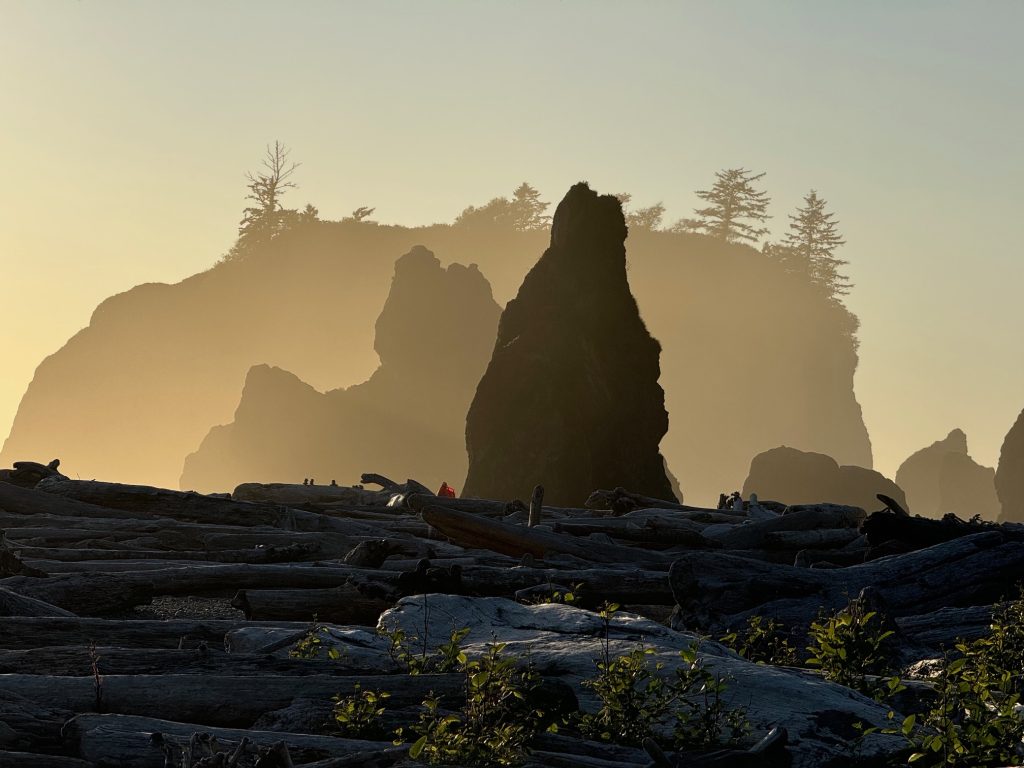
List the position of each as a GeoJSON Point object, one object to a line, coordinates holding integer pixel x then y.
{"type": "Point", "coordinates": [571, 398]}
{"type": "Point", "coordinates": [944, 478]}
{"type": "Point", "coordinates": [136, 391]}
{"type": "Point", "coordinates": [434, 337]}
{"type": "Point", "coordinates": [752, 357]}
{"type": "Point", "coordinates": [1010, 477]}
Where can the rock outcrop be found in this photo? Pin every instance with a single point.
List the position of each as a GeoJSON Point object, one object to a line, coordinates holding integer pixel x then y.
{"type": "Point", "coordinates": [434, 337]}
{"type": "Point", "coordinates": [1009, 480]}
{"type": "Point", "coordinates": [944, 478]}
{"type": "Point", "coordinates": [571, 397]}
{"type": "Point", "coordinates": [753, 356]}
{"type": "Point", "coordinates": [791, 476]}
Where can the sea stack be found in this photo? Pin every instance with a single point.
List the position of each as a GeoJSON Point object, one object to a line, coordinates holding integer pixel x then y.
{"type": "Point", "coordinates": [1010, 477]}
{"type": "Point", "coordinates": [944, 478]}
{"type": "Point", "coordinates": [434, 338]}
{"type": "Point", "coordinates": [571, 399]}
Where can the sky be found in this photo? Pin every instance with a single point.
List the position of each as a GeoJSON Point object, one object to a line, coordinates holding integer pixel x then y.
{"type": "Point", "coordinates": [127, 128]}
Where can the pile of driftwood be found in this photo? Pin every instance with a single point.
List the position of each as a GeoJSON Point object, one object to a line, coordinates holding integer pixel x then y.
{"type": "Point", "coordinates": [91, 673]}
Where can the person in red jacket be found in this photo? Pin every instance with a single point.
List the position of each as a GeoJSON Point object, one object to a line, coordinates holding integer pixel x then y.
{"type": "Point", "coordinates": [446, 491]}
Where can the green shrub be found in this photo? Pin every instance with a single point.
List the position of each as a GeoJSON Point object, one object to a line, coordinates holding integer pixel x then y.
{"type": "Point", "coordinates": [311, 644]}
{"type": "Point", "coordinates": [495, 725]}
{"type": "Point", "coordinates": [763, 641]}
{"type": "Point", "coordinates": [633, 699]}
{"type": "Point", "coordinates": [849, 647]}
{"type": "Point", "coordinates": [358, 716]}
{"type": "Point", "coordinates": [975, 723]}
{"type": "Point", "coordinates": [568, 597]}
{"type": "Point", "coordinates": [447, 657]}
{"type": "Point", "coordinates": [702, 719]}
{"type": "Point", "coordinates": [636, 700]}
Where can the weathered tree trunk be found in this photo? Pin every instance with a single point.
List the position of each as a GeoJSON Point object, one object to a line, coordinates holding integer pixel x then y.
{"type": "Point", "coordinates": [225, 701]}
{"type": "Point", "coordinates": [25, 632]}
{"type": "Point", "coordinates": [718, 591]}
{"type": "Point", "coordinates": [654, 533]}
{"type": "Point", "coordinates": [72, 661]}
{"type": "Point", "coordinates": [942, 629]}
{"type": "Point", "coordinates": [13, 604]}
{"type": "Point", "coordinates": [344, 604]}
{"type": "Point", "coordinates": [97, 594]}
{"type": "Point", "coordinates": [920, 532]}
{"type": "Point", "coordinates": [754, 535]}
{"type": "Point", "coordinates": [22, 501]}
{"type": "Point", "coordinates": [32, 760]}
{"type": "Point", "coordinates": [517, 540]}
{"type": "Point", "coordinates": [294, 494]}
{"type": "Point", "coordinates": [822, 538]}
{"type": "Point", "coordinates": [146, 501]}
{"type": "Point", "coordinates": [136, 742]}
{"type": "Point", "coordinates": [620, 501]}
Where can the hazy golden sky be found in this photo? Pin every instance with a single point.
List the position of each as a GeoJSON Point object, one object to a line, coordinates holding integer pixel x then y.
{"type": "Point", "coordinates": [127, 127]}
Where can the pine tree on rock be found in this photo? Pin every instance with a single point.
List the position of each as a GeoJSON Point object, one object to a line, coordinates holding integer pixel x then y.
{"type": "Point", "coordinates": [267, 218]}
{"type": "Point", "coordinates": [648, 218]}
{"type": "Point", "coordinates": [524, 212]}
{"type": "Point", "coordinates": [736, 208]}
{"type": "Point", "coordinates": [812, 239]}
{"type": "Point", "coordinates": [528, 209]}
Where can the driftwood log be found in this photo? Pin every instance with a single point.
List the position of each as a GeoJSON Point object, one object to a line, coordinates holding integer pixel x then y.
{"type": "Point", "coordinates": [138, 742]}
{"type": "Point", "coordinates": [918, 532]}
{"type": "Point", "coordinates": [719, 591]}
{"type": "Point", "coordinates": [25, 632]}
{"type": "Point", "coordinates": [217, 700]}
{"type": "Point", "coordinates": [517, 540]}
{"type": "Point", "coordinates": [145, 501]}
{"type": "Point", "coordinates": [344, 604]}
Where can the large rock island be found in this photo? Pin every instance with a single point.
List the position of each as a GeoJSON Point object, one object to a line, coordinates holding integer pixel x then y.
{"type": "Point", "coordinates": [753, 355]}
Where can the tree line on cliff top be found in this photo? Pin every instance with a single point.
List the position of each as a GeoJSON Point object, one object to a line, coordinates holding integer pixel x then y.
{"type": "Point", "coordinates": [735, 211]}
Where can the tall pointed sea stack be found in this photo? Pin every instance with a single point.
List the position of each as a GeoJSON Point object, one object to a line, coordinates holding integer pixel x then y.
{"type": "Point", "coordinates": [571, 397]}
{"type": "Point", "coordinates": [1010, 477]}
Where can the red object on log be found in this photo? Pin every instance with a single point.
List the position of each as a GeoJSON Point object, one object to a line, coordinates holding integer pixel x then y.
{"type": "Point", "coordinates": [446, 490]}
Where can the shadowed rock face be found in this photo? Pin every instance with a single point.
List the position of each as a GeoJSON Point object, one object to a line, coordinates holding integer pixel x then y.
{"type": "Point", "coordinates": [1010, 477]}
{"type": "Point", "coordinates": [944, 478]}
{"type": "Point", "coordinates": [571, 397]}
{"type": "Point", "coordinates": [433, 336]}
{"type": "Point", "coordinates": [798, 477]}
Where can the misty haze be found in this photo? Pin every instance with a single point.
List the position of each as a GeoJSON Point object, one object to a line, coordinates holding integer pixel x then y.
{"type": "Point", "coordinates": [529, 384]}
